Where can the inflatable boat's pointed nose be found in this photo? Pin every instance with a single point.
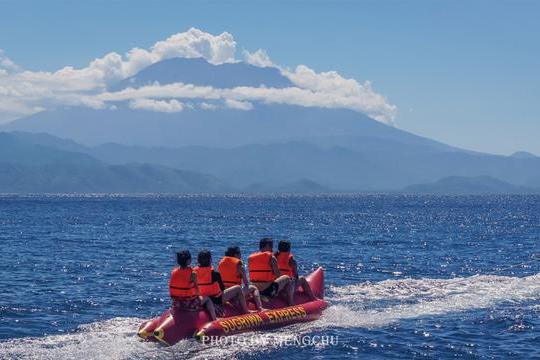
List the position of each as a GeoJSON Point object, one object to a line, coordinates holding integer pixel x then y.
{"type": "Point", "coordinates": [159, 334]}
{"type": "Point", "coordinates": [199, 336]}
{"type": "Point", "coordinates": [316, 282]}
{"type": "Point", "coordinates": [145, 331]}
{"type": "Point", "coordinates": [143, 334]}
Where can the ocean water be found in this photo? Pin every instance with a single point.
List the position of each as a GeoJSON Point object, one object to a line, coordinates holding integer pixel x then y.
{"type": "Point", "coordinates": [407, 276]}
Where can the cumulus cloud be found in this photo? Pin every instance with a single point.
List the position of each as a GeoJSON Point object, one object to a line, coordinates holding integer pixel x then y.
{"type": "Point", "coordinates": [207, 106]}
{"type": "Point", "coordinates": [360, 97]}
{"type": "Point", "coordinates": [367, 102]}
{"type": "Point", "coordinates": [26, 92]}
{"type": "Point", "coordinates": [171, 106]}
{"type": "Point", "coordinates": [239, 105]}
{"type": "Point", "coordinates": [6, 64]}
{"type": "Point", "coordinates": [259, 58]}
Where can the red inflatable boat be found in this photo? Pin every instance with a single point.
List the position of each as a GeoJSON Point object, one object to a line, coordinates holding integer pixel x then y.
{"type": "Point", "coordinates": [174, 325]}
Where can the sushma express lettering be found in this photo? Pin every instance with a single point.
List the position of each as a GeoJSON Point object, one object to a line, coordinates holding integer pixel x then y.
{"type": "Point", "coordinates": [296, 312]}
{"type": "Point", "coordinates": [241, 322]}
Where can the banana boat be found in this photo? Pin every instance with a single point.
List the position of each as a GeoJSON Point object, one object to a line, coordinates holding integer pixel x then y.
{"type": "Point", "coordinates": [174, 325]}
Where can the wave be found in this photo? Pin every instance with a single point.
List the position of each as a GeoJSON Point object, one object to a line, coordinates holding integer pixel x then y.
{"type": "Point", "coordinates": [424, 297]}
{"type": "Point", "coordinates": [365, 305]}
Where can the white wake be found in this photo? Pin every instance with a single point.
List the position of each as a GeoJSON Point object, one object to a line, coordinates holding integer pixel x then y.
{"type": "Point", "coordinates": [365, 305]}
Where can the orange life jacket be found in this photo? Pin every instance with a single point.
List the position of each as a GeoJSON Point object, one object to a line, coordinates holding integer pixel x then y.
{"type": "Point", "coordinates": [283, 259]}
{"type": "Point", "coordinates": [204, 281]}
{"type": "Point", "coordinates": [180, 284]}
{"type": "Point", "coordinates": [228, 268]}
{"type": "Point", "coordinates": [259, 267]}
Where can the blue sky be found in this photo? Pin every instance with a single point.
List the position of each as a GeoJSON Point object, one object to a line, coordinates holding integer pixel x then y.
{"type": "Point", "coordinates": [463, 72]}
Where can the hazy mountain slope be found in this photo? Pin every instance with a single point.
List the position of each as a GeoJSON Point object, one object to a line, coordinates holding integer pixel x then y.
{"type": "Point", "coordinates": [271, 144]}
{"type": "Point", "coordinates": [27, 166]}
{"type": "Point", "coordinates": [62, 178]}
{"type": "Point", "coordinates": [220, 127]}
{"type": "Point", "coordinates": [469, 185]}
{"type": "Point", "coordinates": [305, 186]}
{"type": "Point", "coordinates": [371, 164]}
{"type": "Point", "coordinates": [378, 164]}
{"type": "Point", "coordinates": [273, 164]}
{"type": "Point", "coordinates": [17, 150]}
{"type": "Point", "coordinates": [214, 128]}
{"type": "Point", "coordinates": [200, 72]}
{"type": "Point", "coordinates": [47, 140]}
{"type": "Point", "coordinates": [523, 155]}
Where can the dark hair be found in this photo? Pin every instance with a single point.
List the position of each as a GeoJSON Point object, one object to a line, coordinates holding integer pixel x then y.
{"type": "Point", "coordinates": [182, 258]}
{"type": "Point", "coordinates": [266, 242]}
{"type": "Point", "coordinates": [204, 258]}
{"type": "Point", "coordinates": [284, 246]}
{"type": "Point", "coordinates": [232, 251]}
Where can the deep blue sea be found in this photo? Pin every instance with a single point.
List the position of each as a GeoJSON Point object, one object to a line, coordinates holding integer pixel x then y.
{"type": "Point", "coordinates": [435, 277]}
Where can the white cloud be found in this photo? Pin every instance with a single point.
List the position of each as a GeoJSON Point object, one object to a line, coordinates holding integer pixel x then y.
{"type": "Point", "coordinates": [259, 58]}
{"type": "Point", "coordinates": [26, 92]}
{"type": "Point", "coordinates": [207, 106]}
{"type": "Point", "coordinates": [171, 106]}
{"type": "Point", "coordinates": [370, 103]}
{"type": "Point", "coordinates": [196, 43]}
{"type": "Point", "coordinates": [360, 97]}
{"type": "Point", "coordinates": [238, 105]}
{"type": "Point", "coordinates": [6, 64]}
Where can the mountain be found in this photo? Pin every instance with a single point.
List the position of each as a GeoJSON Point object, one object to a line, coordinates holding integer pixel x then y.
{"type": "Point", "coordinates": [523, 155]}
{"type": "Point", "coordinates": [133, 178]}
{"type": "Point", "coordinates": [368, 164]}
{"type": "Point", "coordinates": [199, 72]}
{"type": "Point", "coordinates": [31, 149]}
{"type": "Point", "coordinates": [302, 186]}
{"type": "Point", "coordinates": [272, 164]}
{"type": "Point", "coordinates": [270, 146]}
{"type": "Point", "coordinates": [360, 164]}
{"type": "Point", "coordinates": [469, 185]}
{"type": "Point", "coordinates": [219, 127]}
{"type": "Point", "coordinates": [28, 167]}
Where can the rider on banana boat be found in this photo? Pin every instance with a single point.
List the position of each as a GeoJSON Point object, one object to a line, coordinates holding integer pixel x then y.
{"type": "Point", "coordinates": [288, 266]}
{"type": "Point", "coordinates": [183, 287]}
{"type": "Point", "coordinates": [211, 284]}
{"type": "Point", "coordinates": [233, 273]}
{"type": "Point", "coordinates": [264, 273]}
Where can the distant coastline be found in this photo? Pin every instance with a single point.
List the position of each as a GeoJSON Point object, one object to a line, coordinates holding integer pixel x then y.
{"type": "Point", "coordinates": [41, 163]}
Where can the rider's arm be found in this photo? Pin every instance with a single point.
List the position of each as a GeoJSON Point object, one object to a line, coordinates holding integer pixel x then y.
{"type": "Point", "coordinates": [242, 274]}
{"type": "Point", "coordinates": [294, 266]}
{"type": "Point", "coordinates": [194, 279]}
{"type": "Point", "coordinates": [216, 276]}
{"type": "Point", "coordinates": [274, 265]}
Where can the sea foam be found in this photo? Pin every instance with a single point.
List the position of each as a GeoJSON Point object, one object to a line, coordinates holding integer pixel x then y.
{"type": "Point", "coordinates": [364, 305]}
